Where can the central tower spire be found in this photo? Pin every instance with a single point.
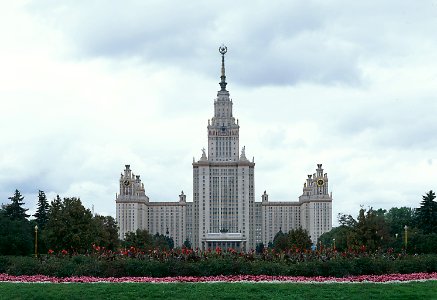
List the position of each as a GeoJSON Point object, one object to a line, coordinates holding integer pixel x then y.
{"type": "Point", "coordinates": [223, 49]}
{"type": "Point", "coordinates": [223, 131]}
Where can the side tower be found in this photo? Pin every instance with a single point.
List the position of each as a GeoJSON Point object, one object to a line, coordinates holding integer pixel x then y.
{"type": "Point", "coordinates": [131, 203]}
{"type": "Point", "coordinates": [223, 182]}
{"type": "Point", "coordinates": [316, 204]}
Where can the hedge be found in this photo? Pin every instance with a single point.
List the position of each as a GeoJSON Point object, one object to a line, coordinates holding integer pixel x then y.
{"type": "Point", "coordinates": [91, 266]}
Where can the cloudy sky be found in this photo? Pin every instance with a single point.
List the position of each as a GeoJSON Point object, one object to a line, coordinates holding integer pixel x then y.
{"type": "Point", "coordinates": [89, 86]}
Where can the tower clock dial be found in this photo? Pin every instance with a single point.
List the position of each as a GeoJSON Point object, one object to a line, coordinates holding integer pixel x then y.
{"type": "Point", "coordinates": [223, 130]}
{"type": "Point", "coordinates": [320, 182]}
{"type": "Point", "coordinates": [126, 183]}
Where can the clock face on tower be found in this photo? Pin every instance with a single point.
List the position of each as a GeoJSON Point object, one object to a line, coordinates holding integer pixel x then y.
{"type": "Point", "coordinates": [320, 182]}
{"type": "Point", "coordinates": [126, 183]}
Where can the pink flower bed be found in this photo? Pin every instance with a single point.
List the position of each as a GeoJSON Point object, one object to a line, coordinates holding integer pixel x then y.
{"type": "Point", "coordinates": [233, 278]}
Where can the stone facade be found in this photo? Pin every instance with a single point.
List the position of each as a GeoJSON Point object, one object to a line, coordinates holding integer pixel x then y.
{"type": "Point", "coordinates": [312, 212]}
{"type": "Point", "coordinates": [224, 212]}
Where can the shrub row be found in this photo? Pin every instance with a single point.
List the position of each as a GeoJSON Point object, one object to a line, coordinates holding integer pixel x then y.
{"type": "Point", "coordinates": [90, 266]}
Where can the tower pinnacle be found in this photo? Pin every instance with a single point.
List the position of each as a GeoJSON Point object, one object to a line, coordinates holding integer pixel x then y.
{"type": "Point", "coordinates": [223, 49]}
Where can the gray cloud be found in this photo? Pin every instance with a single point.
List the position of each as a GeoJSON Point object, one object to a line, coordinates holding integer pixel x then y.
{"type": "Point", "coordinates": [282, 43]}
{"type": "Point", "coordinates": [276, 44]}
{"type": "Point", "coordinates": [393, 124]}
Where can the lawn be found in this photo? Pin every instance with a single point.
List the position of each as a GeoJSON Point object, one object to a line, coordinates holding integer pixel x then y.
{"type": "Point", "coordinates": [199, 291]}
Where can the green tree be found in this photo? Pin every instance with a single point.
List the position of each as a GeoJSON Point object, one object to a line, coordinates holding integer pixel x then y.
{"type": "Point", "coordinates": [170, 242]}
{"type": "Point", "coordinates": [140, 239]}
{"type": "Point", "coordinates": [346, 220]}
{"type": "Point", "coordinates": [69, 226]}
{"type": "Point", "coordinates": [259, 248]}
{"type": "Point", "coordinates": [280, 241]}
{"type": "Point", "coordinates": [42, 210]}
{"type": "Point", "coordinates": [398, 217]}
{"type": "Point", "coordinates": [14, 210]}
{"type": "Point", "coordinates": [295, 238]}
{"type": "Point", "coordinates": [163, 242]}
{"type": "Point", "coordinates": [105, 232]}
{"type": "Point", "coordinates": [298, 238]}
{"type": "Point", "coordinates": [342, 235]}
{"type": "Point", "coordinates": [427, 214]}
{"type": "Point", "coordinates": [130, 240]}
{"type": "Point", "coordinates": [187, 243]}
{"type": "Point", "coordinates": [16, 236]}
{"type": "Point", "coordinates": [420, 243]}
{"type": "Point", "coordinates": [371, 229]}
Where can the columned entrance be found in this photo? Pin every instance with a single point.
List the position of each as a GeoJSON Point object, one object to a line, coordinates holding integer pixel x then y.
{"type": "Point", "coordinates": [224, 241]}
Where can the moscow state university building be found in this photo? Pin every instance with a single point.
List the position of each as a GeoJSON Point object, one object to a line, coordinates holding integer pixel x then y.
{"type": "Point", "coordinates": [223, 212]}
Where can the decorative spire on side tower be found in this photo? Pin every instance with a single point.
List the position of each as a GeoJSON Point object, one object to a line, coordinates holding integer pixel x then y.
{"type": "Point", "coordinates": [223, 49]}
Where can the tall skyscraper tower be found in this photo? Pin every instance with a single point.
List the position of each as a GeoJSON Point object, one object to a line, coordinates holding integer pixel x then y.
{"type": "Point", "coordinates": [223, 182]}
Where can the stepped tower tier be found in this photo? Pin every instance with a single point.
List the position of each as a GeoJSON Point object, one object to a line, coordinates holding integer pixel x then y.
{"type": "Point", "coordinates": [223, 130]}
{"type": "Point", "coordinates": [130, 203]}
{"type": "Point", "coordinates": [223, 182]}
{"type": "Point", "coordinates": [316, 204]}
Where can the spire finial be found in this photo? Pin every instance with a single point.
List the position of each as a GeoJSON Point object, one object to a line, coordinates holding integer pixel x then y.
{"type": "Point", "coordinates": [223, 49]}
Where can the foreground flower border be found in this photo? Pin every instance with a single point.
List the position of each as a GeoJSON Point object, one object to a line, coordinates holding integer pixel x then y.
{"type": "Point", "coordinates": [389, 278]}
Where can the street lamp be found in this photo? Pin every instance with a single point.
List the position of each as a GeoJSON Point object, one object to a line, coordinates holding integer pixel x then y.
{"type": "Point", "coordinates": [334, 243]}
{"type": "Point", "coordinates": [36, 240]}
{"type": "Point", "coordinates": [406, 236]}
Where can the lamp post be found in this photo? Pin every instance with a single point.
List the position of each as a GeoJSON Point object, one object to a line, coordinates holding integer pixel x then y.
{"type": "Point", "coordinates": [36, 240]}
{"type": "Point", "coordinates": [406, 236]}
{"type": "Point", "coordinates": [334, 243]}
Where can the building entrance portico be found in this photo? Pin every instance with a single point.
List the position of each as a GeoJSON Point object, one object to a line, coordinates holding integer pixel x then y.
{"type": "Point", "coordinates": [224, 241]}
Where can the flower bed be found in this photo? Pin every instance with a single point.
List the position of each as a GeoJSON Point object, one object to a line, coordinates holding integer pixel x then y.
{"type": "Point", "coordinates": [389, 278]}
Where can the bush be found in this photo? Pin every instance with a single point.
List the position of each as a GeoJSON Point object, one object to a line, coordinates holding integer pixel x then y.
{"type": "Point", "coordinates": [20, 265]}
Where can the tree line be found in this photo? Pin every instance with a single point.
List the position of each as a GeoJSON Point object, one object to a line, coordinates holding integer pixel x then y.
{"type": "Point", "coordinates": [410, 229]}
{"type": "Point", "coordinates": [413, 230]}
{"type": "Point", "coordinates": [63, 225]}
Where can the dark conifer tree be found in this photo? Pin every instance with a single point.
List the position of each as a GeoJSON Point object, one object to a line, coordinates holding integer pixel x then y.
{"type": "Point", "coordinates": [14, 209]}
{"type": "Point", "coordinates": [280, 241]}
{"type": "Point", "coordinates": [187, 243]}
{"type": "Point", "coordinates": [41, 214]}
{"type": "Point", "coordinates": [259, 248]}
{"type": "Point", "coordinates": [427, 214]}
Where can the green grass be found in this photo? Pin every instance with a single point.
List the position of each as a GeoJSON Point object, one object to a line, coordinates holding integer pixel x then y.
{"type": "Point", "coordinates": [213, 291]}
